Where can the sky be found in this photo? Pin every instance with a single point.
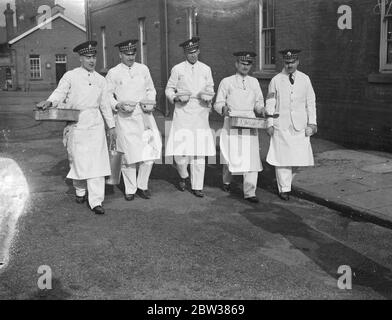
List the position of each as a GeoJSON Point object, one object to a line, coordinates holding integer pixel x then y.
{"type": "Point", "coordinates": [73, 9]}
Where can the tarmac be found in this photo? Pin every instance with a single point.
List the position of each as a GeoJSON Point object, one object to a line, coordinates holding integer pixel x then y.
{"type": "Point", "coordinates": [356, 183]}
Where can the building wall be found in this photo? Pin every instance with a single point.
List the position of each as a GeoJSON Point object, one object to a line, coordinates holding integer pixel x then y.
{"type": "Point", "coordinates": [61, 39]}
{"type": "Point", "coordinates": [120, 19]}
{"type": "Point", "coordinates": [223, 28]}
{"type": "Point", "coordinates": [351, 110]}
{"type": "Point", "coordinates": [352, 107]}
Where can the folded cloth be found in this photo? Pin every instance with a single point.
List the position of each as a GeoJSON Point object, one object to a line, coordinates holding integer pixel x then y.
{"type": "Point", "coordinates": [67, 139]}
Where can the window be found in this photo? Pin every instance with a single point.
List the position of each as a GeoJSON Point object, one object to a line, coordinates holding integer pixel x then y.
{"type": "Point", "coordinates": [267, 35]}
{"type": "Point", "coordinates": [35, 66]}
{"type": "Point", "coordinates": [104, 55]}
{"type": "Point", "coordinates": [386, 36]}
{"type": "Point", "coordinates": [61, 58]}
{"type": "Point", "coordinates": [142, 40]}
{"type": "Point", "coordinates": [192, 22]}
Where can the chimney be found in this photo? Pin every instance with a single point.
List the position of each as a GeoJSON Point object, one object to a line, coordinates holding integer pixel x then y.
{"type": "Point", "coordinates": [9, 22]}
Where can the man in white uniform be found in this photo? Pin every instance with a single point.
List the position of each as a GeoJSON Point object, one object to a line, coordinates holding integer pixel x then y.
{"type": "Point", "coordinates": [190, 139]}
{"type": "Point", "coordinates": [240, 96]}
{"type": "Point", "coordinates": [84, 89]}
{"type": "Point", "coordinates": [130, 86]}
{"type": "Point", "coordinates": [291, 95]}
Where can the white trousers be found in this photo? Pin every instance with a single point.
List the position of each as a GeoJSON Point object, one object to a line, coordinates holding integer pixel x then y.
{"type": "Point", "coordinates": [284, 177]}
{"type": "Point", "coordinates": [197, 164]}
{"type": "Point", "coordinates": [95, 188]}
{"type": "Point", "coordinates": [136, 176]}
{"type": "Point", "coordinates": [249, 184]}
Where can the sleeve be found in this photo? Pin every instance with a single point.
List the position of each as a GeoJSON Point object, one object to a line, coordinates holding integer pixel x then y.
{"type": "Point", "coordinates": [171, 86]}
{"type": "Point", "coordinates": [150, 89]}
{"type": "Point", "coordinates": [105, 108]}
{"type": "Point", "coordinates": [271, 102]}
{"type": "Point", "coordinates": [221, 96]}
{"type": "Point", "coordinates": [62, 90]}
{"type": "Point", "coordinates": [110, 88]}
{"type": "Point", "coordinates": [259, 97]}
{"type": "Point", "coordinates": [210, 80]}
{"type": "Point", "coordinates": [311, 103]}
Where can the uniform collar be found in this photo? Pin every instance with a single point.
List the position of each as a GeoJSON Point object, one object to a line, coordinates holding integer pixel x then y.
{"type": "Point", "coordinates": [287, 74]}
{"type": "Point", "coordinates": [86, 71]}
{"type": "Point", "coordinates": [240, 77]}
{"type": "Point", "coordinates": [126, 67]}
{"type": "Point", "coordinates": [190, 64]}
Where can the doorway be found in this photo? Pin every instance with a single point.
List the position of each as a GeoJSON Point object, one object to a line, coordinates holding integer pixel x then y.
{"type": "Point", "coordinates": [61, 66]}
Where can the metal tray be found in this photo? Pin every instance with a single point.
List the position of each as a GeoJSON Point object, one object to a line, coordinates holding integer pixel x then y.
{"type": "Point", "coordinates": [241, 122]}
{"type": "Point", "coordinates": [56, 114]}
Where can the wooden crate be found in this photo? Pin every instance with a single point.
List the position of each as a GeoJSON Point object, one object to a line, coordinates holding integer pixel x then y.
{"type": "Point", "coordinates": [56, 114]}
{"type": "Point", "coordinates": [241, 122]}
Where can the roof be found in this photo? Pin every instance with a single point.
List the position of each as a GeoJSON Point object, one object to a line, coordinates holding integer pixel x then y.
{"type": "Point", "coordinates": [39, 26]}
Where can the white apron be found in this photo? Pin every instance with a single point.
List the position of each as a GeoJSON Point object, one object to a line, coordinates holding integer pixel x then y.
{"type": "Point", "coordinates": [87, 147]}
{"type": "Point", "coordinates": [240, 147]}
{"type": "Point", "coordinates": [138, 136]}
{"type": "Point", "coordinates": [290, 148]}
{"type": "Point", "coordinates": [190, 133]}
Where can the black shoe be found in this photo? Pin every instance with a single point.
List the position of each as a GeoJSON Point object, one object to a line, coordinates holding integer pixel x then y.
{"type": "Point", "coordinates": [182, 184]}
{"type": "Point", "coordinates": [145, 194]}
{"type": "Point", "coordinates": [252, 199]}
{"type": "Point", "coordinates": [81, 199]}
{"type": "Point", "coordinates": [226, 187]}
{"type": "Point", "coordinates": [284, 196]}
{"type": "Point", "coordinates": [129, 197]}
{"type": "Point", "coordinates": [198, 193]}
{"type": "Point", "coordinates": [98, 210]}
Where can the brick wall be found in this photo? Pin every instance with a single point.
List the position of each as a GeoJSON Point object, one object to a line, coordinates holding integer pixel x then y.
{"type": "Point", "coordinates": [223, 29]}
{"type": "Point", "coordinates": [61, 39]}
{"type": "Point", "coordinates": [120, 19]}
{"type": "Point", "coordinates": [351, 110]}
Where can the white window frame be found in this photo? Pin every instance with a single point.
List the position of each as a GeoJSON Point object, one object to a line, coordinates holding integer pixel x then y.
{"type": "Point", "coordinates": [142, 40]}
{"type": "Point", "coordinates": [61, 58]}
{"type": "Point", "coordinates": [35, 73]}
{"type": "Point", "coordinates": [262, 32]}
{"type": "Point", "coordinates": [104, 53]}
{"type": "Point", "coordinates": [386, 14]}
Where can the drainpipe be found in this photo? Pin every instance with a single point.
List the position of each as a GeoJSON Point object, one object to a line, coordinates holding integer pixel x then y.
{"type": "Point", "coordinates": [87, 18]}
{"type": "Point", "coordinates": [167, 111]}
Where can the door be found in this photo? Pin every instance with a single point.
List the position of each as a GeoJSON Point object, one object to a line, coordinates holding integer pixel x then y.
{"type": "Point", "coordinates": [61, 68]}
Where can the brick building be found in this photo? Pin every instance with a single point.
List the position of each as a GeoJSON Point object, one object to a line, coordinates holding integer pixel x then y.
{"type": "Point", "coordinates": [43, 53]}
{"type": "Point", "coordinates": [350, 66]}
{"type": "Point", "coordinates": [36, 52]}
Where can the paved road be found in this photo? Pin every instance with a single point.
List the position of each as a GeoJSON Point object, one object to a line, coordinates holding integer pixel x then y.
{"type": "Point", "coordinates": [177, 246]}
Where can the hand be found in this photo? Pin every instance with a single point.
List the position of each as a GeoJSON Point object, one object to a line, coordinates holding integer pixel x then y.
{"type": "Point", "coordinates": [184, 99]}
{"type": "Point", "coordinates": [262, 112]}
{"type": "Point", "coordinates": [270, 131]}
{"type": "Point", "coordinates": [145, 110]}
{"type": "Point", "coordinates": [112, 135]}
{"type": "Point", "coordinates": [123, 106]}
{"type": "Point", "coordinates": [310, 130]}
{"type": "Point", "coordinates": [226, 111]}
{"type": "Point", "coordinates": [44, 105]}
